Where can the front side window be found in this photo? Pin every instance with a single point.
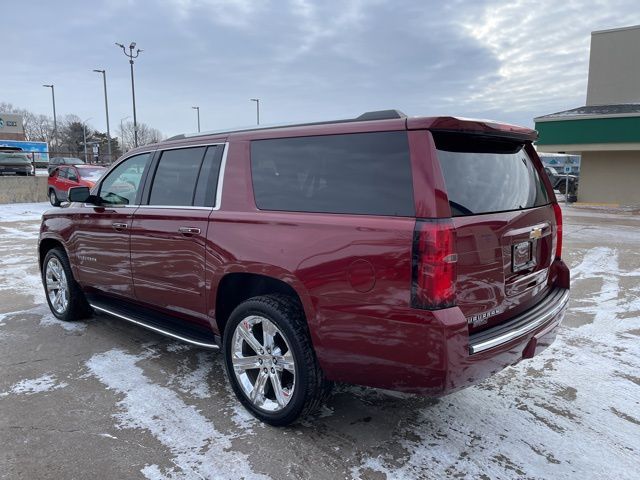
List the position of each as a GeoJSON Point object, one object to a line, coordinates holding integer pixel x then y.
{"type": "Point", "coordinates": [362, 173]}
{"type": "Point", "coordinates": [121, 185]}
{"type": "Point", "coordinates": [72, 174]}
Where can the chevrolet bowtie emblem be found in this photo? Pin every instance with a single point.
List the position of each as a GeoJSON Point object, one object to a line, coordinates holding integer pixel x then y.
{"type": "Point", "coordinates": [535, 233]}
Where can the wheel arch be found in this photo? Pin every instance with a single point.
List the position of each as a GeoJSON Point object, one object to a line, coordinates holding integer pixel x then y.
{"type": "Point", "coordinates": [237, 286]}
{"type": "Point", "coordinates": [47, 244]}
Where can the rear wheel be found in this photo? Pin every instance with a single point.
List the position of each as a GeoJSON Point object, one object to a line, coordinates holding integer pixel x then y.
{"type": "Point", "coordinates": [65, 299]}
{"type": "Point", "coordinates": [53, 198]}
{"type": "Point", "coordinates": [270, 360]}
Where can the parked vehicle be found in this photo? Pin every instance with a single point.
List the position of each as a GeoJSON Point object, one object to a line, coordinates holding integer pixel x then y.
{"type": "Point", "coordinates": [15, 162]}
{"type": "Point", "coordinates": [57, 161]}
{"type": "Point", "coordinates": [38, 152]}
{"type": "Point", "coordinates": [64, 178]}
{"type": "Point", "coordinates": [558, 180]}
{"type": "Point", "coordinates": [415, 254]}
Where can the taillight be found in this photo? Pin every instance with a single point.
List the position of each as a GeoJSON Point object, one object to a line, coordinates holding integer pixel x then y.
{"type": "Point", "coordinates": [434, 265]}
{"type": "Point", "coordinates": [558, 214]}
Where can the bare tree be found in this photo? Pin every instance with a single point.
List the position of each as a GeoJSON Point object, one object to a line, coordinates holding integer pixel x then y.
{"type": "Point", "coordinates": [146, 135]}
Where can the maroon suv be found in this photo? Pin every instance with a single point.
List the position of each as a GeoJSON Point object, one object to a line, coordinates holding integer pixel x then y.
{"type": "Point", "coordinates": [414, 254]}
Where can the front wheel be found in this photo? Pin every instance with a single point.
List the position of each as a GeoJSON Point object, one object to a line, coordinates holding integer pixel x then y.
{"type": "Point", "coordinates": [53, 198]}
{"type": "Point", "coordinates": [270, 361]}
{"type": "Point", "coordinates": [65, 299]}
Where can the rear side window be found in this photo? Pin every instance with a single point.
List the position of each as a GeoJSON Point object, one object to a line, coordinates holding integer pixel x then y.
{"type": "Point", "coordinates": [363, 173]}
{"type": "Point", "coordinates": [175, 179]}
{"type": "Point", "coordinates": [487, 175]}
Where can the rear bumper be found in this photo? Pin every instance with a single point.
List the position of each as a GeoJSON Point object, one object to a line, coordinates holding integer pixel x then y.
{"type": "Point", "coordinates": [532, 320]}
{"type": "Point", "coordinates": [431, 352]}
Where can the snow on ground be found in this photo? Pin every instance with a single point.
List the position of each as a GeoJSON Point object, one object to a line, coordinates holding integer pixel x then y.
{"type": "Point", "coordinates": [45, 383]}
{"type": "Point", "coordinates": [22, 212]}
{"type": "Point", "coordinates": [572, 412]}
{"type": "Point", "coordinates": [199, 450]}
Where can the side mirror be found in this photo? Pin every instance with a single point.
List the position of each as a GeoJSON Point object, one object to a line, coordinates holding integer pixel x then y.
{"type": "Point", "coordinates": [79, 194]}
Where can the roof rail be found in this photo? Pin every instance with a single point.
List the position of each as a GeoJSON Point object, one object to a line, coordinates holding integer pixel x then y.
{"type": "Point", "coordinates": [365, 117]}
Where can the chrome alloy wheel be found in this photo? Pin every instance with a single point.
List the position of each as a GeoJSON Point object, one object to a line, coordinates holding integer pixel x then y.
{"type": "Point", "coordinates": [263, 363]}
{"type": "Point", "coordinates": [57, 285]}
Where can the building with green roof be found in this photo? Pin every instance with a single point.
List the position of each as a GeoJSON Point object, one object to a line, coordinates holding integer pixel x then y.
{"type": "Point", "coordinates": [606, 131]}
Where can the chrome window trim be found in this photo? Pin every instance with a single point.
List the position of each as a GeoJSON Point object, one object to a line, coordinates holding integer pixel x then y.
{"type": "Point", "coordinates": [223, 165]}
{"type": "Point", "coordinates": [191, 146]}
{"type": "Point", "coordinates": [176, 207]}
{"type": "Point", "coordinates": [218, 201]}
{"type": "Point", "coordinates": [90, 205]}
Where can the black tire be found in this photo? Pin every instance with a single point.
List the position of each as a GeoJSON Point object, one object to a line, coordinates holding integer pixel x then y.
{"type": "Point", "coordinates": [53, 198]}
{"type": "Point", "coordinates": [76, 307]}
{"type": "Point", "coordinates": [311, 386]}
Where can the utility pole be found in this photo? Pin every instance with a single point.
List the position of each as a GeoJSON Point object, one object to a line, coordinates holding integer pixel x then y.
{"type": "Point", "coordinates": [84, 137]}
{"type": "Point", "coordinates": [257, 100]}
{"type": "Point", "coordinates": [55, 120]}
{"type": "Point", "coordinates": [198, 109]}
{"type": "Point", "coordinates": [106, 109]}
{"type": "Point", "coordinates": [131, 56]}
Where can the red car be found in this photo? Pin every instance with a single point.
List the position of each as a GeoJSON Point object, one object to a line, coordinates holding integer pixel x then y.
{"type": "Point", "coordinates": [416, 254]}
{"type": "Point", "coordinates": [61, 179]}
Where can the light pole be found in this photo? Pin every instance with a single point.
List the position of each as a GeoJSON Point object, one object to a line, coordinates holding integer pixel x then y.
{"type": "Point", "coordinates": [122, 132]}
{"type": "Point", "coordinates": [84, 137]}
{"type": "Point", "coordinates": [198, 110]}
{"type": "Point", "coordinates": [131, 56]}
{"type": "Point", "coordinates": [55, 120]}
{"type": "Point", "coordinates": [106, 109]}
{"type": "Point", "coordinates": [257, 100]}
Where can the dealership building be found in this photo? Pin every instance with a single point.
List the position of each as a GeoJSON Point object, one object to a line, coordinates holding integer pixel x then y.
{"type": "Point", "coordinates": [11, 127]}
{"type": "Point", "coordinates": [605, 131]}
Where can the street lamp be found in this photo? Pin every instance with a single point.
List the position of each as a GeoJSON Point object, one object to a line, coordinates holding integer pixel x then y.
{"type": "Point", "coordinates": [131, 56]}
{"type": "Point", "coordinates": [55, 120]}
{"type": "Point", "coordinates": [106, 109]}
{"type": "Point", "coordinates": [198, 109]}
{"type": "Point", "coordinates": [84, 137]}
{"type": "Point", "coordinates": [257, 100]}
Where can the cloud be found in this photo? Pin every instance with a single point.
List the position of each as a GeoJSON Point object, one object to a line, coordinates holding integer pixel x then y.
{"type": "Point", "coordinates": [309, 60]}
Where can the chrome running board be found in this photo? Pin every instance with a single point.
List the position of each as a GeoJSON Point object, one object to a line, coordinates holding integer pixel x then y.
{"type": "Point", "coordinates": [155, 328]}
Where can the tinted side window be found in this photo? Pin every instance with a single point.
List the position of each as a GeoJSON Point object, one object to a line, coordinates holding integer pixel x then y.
{"type": "Point", "coordinates": [175, 179]}
{"type": "Point", "coordinates": [121, 185]}
{"type": "Point", "coordinates": [62, 173]}
{"type": "Point", "coordinates": [363, 173]}
{"type": "Point", "coordinates": [487, 175]}
{"type": "Point", "coordinates": [205, 195]}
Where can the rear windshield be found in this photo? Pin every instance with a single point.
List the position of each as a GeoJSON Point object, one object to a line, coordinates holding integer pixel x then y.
{"type": "Point", "coordinates": [487, 175]}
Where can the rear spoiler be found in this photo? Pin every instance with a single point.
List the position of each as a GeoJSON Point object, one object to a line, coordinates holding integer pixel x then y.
{"type": "Point", "coordinates": [486, 128]}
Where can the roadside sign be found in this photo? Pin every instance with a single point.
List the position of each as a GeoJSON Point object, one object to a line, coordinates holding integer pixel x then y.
{"type": "Point", "coordinates": [567, 169]}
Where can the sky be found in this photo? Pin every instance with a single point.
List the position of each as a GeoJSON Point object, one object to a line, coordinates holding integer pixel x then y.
{"type": "Point", "coordinates": [306, 61]}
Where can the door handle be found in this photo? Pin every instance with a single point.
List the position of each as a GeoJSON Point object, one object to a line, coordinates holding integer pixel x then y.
{"type": "Point", "coordinates": [119, 226]}
{"type": "Point", "coordinates": [189, 230]}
